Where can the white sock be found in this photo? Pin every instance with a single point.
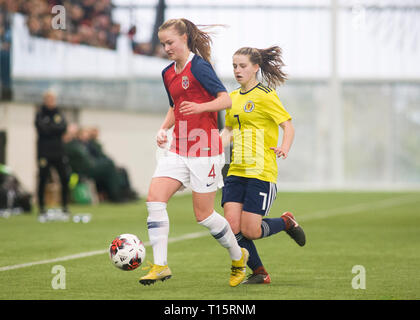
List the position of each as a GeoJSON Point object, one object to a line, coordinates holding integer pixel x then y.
{"type": "Point", "coordinates": [220, 229]}
{"type": "Point", "coordinates": [158, 227]}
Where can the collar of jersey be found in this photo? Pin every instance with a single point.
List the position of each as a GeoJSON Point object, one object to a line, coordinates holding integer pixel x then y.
{"type": "Point", "coordinates": [190, 57]}
{"type": "Point", "coordinates": [240, 92]}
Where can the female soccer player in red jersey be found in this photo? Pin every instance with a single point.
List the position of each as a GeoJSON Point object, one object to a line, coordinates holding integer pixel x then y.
{"type": "Point", "coordinates": [250, 186]}
{"type": "Point", "coordinates": [195, 156]}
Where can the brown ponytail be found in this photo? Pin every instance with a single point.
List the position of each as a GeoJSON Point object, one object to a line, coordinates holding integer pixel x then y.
{"type": "Point", "coordinates": [270, 61]}
{"type": "Point", "coordinates": [199, 42]}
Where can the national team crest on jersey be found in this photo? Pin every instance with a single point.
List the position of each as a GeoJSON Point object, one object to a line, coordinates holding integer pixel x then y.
{"type": "Point", "coordinates": [185, 82]}
{"type": "Point", "coordinates": [249, 106]}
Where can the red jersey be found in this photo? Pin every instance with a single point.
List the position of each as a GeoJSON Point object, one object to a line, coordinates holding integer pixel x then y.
{"type": "Point", "coordinates": [194, 135]}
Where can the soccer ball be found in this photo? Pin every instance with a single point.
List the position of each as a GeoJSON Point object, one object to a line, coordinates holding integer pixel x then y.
{"type": "Point", "coordinates": [127, 252]}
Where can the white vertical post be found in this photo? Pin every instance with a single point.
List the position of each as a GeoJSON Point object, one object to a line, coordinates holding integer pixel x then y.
{"type": "Point", "coordinates": [335, 107]}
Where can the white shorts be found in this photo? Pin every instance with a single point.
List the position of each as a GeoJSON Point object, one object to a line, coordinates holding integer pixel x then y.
{"type": "Point", "coordinates": [202, 174]}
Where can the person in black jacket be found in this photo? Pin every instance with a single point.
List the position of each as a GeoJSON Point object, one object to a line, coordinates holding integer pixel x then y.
{"type": "Point", "coordinates": [51, 125]}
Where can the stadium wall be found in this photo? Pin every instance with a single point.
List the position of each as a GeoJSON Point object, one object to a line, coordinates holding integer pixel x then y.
{"type": "Point", "coordinates": [84, 76]}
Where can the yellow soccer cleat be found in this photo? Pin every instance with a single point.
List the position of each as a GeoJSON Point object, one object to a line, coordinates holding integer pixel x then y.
{"type": "Point", "coordinates": [156, 273]}
{"type": "Point", "coordinates": [238, 270]}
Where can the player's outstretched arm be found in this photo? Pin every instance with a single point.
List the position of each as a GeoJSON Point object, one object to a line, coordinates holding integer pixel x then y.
{"type": "Point", "coordinates": [221, 102]}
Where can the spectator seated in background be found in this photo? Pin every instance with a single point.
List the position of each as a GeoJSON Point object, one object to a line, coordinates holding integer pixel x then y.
{"type": "Point", "coordinates": [96, 151]}
{"type": "Point", "coordinates": [77, 153]}
{"type": "Point", "coordinates": [88, 161]}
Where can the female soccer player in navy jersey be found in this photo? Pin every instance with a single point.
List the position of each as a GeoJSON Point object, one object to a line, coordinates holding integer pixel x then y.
{"type": "Point", "coordinates": [253, 124]}
{"type": "Point", "coordinates": [195, 156]}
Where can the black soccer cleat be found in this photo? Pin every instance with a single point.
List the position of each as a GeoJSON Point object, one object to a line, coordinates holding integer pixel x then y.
{"type": "Point", "coordinates": [148, 282]}
{"type": "Point", "coordinates": [293, 229]}
{"type": "Point", "coordinates": [257, 278]}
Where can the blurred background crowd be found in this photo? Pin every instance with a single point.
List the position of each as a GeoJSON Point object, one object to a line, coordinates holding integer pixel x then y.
{"type": "Point", "coordinates": [88, 22]}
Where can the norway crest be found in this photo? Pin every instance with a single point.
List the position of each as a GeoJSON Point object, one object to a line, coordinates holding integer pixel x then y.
{"type": "Point", "coordinates": [185, 82]}
{"type": "Point", "coordinates": [249, 106]}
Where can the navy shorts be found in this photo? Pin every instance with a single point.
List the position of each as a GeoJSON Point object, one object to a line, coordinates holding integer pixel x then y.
{"type": "Point", "coordinates": [256, 195]}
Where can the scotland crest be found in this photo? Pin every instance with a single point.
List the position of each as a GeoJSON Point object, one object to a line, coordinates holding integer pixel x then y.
{"type": "Point", "coordinates": [185, 82]}
{"type": "Point", "coordinates": [249, 106]}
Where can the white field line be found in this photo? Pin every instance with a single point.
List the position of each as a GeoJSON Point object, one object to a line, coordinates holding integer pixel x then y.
{"type": "Point", "coordinates": [65, 258]}
{"type": "Point", "coordinates": [96, 252]}
{"type": "Point", "coordinates": [381, 204]}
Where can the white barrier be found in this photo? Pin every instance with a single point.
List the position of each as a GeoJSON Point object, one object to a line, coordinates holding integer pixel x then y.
{"type": "Point", "coordinates": [34, 57]}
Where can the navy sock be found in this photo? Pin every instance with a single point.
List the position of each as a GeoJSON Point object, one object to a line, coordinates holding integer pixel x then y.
{"type": "Point", "coordinates": [254, 260]}
{"type": "Point", "coordinates": [272, 226]}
